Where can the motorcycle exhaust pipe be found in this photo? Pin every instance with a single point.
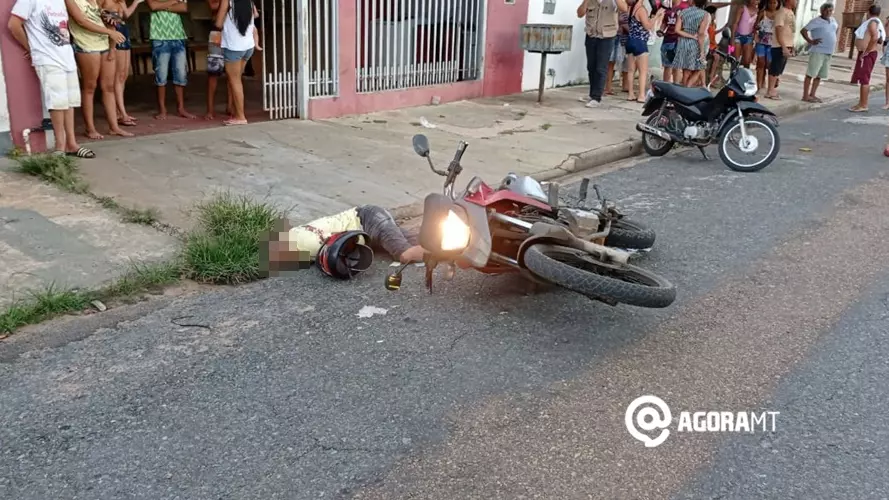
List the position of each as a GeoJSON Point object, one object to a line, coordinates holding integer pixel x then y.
{"type": "Point", "coordinates": [601, 251]}
{"type": "Point", "coordinates": [648, 129]}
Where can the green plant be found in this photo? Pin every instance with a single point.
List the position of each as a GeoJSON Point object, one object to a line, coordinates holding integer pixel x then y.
{"type": "Point", "coordinates": [57, 169]}
{"type": "Point", "coordinates": [225, 248]}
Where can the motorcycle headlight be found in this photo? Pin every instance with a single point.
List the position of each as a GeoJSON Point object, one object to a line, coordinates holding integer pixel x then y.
{"type": "Point", "coordinates": [750, 89]}
{"type": "Point", "coordinates": [454, 233]}
{"type": "Point", "coordinates": [445, 231]}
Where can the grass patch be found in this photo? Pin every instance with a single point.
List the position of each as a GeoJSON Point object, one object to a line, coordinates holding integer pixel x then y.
{"type": "Point", "coordinates": [60, 170]}
{"type": "Point", "coordinates": [225, 249]}
{"type": "Point", "coordinates": [545, 126]}
{"type": "Point", "coordinates": [41, 305]}
{"type": "Point", "coordinates": [147, 216]}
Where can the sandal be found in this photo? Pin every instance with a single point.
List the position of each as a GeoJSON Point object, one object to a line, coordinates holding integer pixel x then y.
{"type": "Point", "coordinates": [82, 153]}
{"type": "Point", "coordinates": [856, 109]}
{"type": "Point", "coordinates": [127, 122]}
{"type": "Point", "coordinates": [233, 122]}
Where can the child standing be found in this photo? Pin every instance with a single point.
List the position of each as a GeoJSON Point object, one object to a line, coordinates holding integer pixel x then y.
{"type": "Point", "coordinates": [115, 14]}
{"type": "Point", "coordinates": [618, 56]}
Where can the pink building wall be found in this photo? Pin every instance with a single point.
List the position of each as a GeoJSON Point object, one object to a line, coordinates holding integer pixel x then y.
{"type": "Point", "coordinates": [22, 88]}
{"type": "Point", "coordinates": [502, 74]}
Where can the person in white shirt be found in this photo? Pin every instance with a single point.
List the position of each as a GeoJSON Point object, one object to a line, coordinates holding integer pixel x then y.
{"type": "Point", "coordinates": [41, 28]}
{"type": "Point", "coordinates": [821, 35]}
{"type": "Point", "coordinates": [239, 39]}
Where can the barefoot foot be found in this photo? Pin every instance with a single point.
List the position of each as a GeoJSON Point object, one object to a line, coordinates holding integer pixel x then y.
{"type": "Point", "coordinates": [94, 135]}
{"type": "Point", "coordinates": [161, 116]}
{"type": "Point", "coordinates": [185, 114]}
{"type": "Point", "coordinates": [120, 132]}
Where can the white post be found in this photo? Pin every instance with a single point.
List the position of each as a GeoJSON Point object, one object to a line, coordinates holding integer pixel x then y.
{"type": "Point", "coordinates": [302, 22]}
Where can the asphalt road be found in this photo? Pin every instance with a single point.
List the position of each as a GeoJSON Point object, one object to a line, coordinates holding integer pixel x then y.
{"type": "Point", "coordinates": [283, 389]}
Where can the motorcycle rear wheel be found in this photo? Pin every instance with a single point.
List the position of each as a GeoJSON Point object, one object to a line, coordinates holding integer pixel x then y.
{"type": "Point", "coordinates": [579, 272]}
{"type": "Point", "coordinates": [654, 145]}
{"type": "Point", "coordinates": [629, 234]}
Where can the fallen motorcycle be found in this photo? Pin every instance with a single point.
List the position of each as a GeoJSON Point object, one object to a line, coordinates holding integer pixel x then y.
{"type": "Point", "coordinates": [520, 228]}
{"type": "Point", "coordinates": [693, 116]}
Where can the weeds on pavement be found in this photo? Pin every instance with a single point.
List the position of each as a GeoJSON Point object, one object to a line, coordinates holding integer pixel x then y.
{"type": "Point", "coordinates": [225, 248]}
{"type": "Point", "coordinates": [60, 170]}
{"type": "Point", "coordinates": [52, 301]}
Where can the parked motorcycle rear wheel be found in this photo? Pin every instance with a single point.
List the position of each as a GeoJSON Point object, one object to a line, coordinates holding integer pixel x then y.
{"type": "Point", "coordinates": [581, 273]}
{"type": "Point", "coordinates": [629, 234]}
{"type": "Point", "coordinates": [654, 145]}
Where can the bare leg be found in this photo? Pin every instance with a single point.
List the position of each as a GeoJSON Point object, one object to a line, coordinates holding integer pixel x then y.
{"type": "Point", "coordinates": [631, 72]}
{"type": "Point", "coordinates": [107, 77]}
{"type": "Point", "coordinates": [807, 84]}
{"type": "Point", "coordinates": [58, 127]}
{"type": "Point", "coordinates": [90, 67]}
{"type": "Point", "coordinates": [212, 82]}
{"type": "Point", "coordinates": [71, 144]}
{"type": "Point", "coordinates": [760, 72]}
{"type": "Point", "coordinates": [609, 79]}
{"type": "Point", "coordinates": [123, 72]}
{"type": "Point", "coordinates": [180, 102]}
{"type": "Point", "coordinates": [772, 92]}
{"type": "Point", "coordinates": [161, 102]}
{"type": "Point", "coordinates": [642, 64]}
{"type": "Point", "coordinates": [233, 70]}
{"type": "Point", "coordinates": [815, 83]}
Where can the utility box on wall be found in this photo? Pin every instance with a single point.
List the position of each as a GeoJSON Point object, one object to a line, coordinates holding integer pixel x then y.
{"type": "Point", "coordinates": [547, 38]}
{"type": "Point", "coordinates": [549, 7]}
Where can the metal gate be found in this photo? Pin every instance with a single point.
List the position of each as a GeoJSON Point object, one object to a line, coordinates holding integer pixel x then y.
{"type": "Point", "coordinates": [298, 34]}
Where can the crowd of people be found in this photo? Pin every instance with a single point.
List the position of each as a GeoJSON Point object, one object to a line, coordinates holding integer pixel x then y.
{"type": "Point", "coordinates": [92, 37]}
{"type": "Point", "coordinates": [620, 32]}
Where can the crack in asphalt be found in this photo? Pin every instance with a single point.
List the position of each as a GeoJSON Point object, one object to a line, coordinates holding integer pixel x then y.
{"type": "Point", "coordinates": [189, 325]}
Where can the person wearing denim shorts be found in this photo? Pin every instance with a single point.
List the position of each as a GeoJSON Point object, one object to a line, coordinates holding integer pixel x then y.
{"type": "Point", "coordinates": [235, 19]}
{"type": "Point", "coordinates": [168, 55]}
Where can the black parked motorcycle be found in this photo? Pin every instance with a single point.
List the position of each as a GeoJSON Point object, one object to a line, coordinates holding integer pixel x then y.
{"type": "Point", "coordinates": [695, 117]}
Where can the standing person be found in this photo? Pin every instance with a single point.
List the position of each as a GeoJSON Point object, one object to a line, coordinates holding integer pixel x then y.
{"type": "Point", "coordinates": [641, 24]}
{"type": "Point", "coordinates": [694, 41]}
{"type": "Point", "coordinates": [782, 48]}
{"type": "Point", "coordinates": [168, 55]}
{"type": "Point", "coordinates": [600, 25]}
{"type": "Point", "coordinates": [41, 28]}
{"type": "Point", "coordinates": [765, 29]}
{"type": "Point", "coordinates": [618, 57]}
{"type": "Point", "coordinates": [118, 13]}
{"type": "Point", "coordinates": [742, 31]}
{"type": "Point", "coordinates": [868, 37]}
{"type": "Point", "coordinates": [821, 34]}
{"type": "Point", "coordinates": [235, 20]}
{"type": "Point", "coordinates": [885, 62]}
{"type": "Point", "coordinates": [216, 68]}
{"type": "Point", "coordinates": [668, 46]}
{"type": "Point", "coordinates": [91, 46]}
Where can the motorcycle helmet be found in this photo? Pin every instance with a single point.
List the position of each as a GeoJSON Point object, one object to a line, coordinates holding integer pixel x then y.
{"type": "Point", "coordinates": [344, 255]}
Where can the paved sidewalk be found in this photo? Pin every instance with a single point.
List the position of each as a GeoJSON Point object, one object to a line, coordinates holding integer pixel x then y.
{"type": "Point", "coordinates": [49, 236]}
{"type": "Point", "coordinates": [319, 167]}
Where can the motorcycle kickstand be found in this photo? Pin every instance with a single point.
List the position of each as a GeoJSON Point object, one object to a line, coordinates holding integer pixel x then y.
{"type": "Point", "coordinates": [703, 153]}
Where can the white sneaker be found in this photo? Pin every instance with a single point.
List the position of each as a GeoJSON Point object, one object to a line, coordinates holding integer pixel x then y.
{"type": "Point", "coordinates": [592, 104]}
{"type": "Point", "coordinates": [584, 98]}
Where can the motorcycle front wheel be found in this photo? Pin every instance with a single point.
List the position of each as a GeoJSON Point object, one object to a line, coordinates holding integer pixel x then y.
{"type": "Point", "coordinates": [758, 130]}
{"type": "Point", "coordinates": [579, 272]}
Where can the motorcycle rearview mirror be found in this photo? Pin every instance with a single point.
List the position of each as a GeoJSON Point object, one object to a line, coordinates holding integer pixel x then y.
{"type": "Point", "coordinates": [393, 279]}
{"type": "Point", "coordinates": [727, 33]}
{"type": "Point", "coordinates": [421, 145]}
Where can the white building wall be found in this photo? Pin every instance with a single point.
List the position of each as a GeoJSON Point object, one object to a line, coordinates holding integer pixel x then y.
{"type": "Point", "coordinates": [570, 67]}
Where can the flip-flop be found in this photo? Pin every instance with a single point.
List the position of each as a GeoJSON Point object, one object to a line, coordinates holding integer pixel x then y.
{"type": "Point", "coordinates": [127, 123]}
{"type": "Point", "coordinates": [82, 153]}
{"type": "Point", "coordinates": [815, 100]}
{"type": "Point", "coordinates": [773, 97]}
{"type": "Point", "coordinates": [856, 109]}
{"type": "Point", "coordinates": [230, 123]}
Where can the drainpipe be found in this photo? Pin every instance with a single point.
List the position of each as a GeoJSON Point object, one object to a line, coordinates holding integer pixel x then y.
{"type": "Point", "coordinates": [46, 126]}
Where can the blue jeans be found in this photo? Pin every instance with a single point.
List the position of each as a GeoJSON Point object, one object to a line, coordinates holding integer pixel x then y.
{"type": "Point", "coordinates": [237, 55]}
{"type": "Point", "coordinates": [169, 56]}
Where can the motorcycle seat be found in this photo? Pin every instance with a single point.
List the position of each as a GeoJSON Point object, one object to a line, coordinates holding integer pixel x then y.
{"type": "Point", "coordinates": [683, 95]}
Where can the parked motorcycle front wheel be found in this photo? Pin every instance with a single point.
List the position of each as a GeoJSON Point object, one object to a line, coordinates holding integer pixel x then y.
{"type": "Point", "coordinates": [737, 152]}
{"type": "Point", "coordinates": [579, 272]}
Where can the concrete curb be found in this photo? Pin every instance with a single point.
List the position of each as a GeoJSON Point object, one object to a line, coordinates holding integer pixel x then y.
{"type": "Point", "coordinates": [606, 155]}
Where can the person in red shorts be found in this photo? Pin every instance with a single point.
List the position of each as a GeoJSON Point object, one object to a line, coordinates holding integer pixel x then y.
{"type": "Point", "coordinates": [868, 37]}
